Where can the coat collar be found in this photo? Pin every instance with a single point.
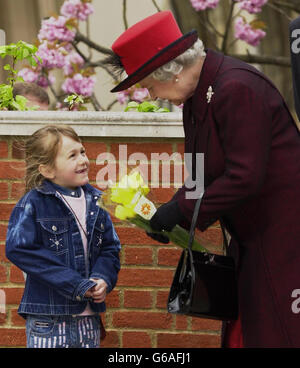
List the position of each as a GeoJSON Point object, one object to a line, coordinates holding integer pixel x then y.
{"type": "Point", "coordinates": [48, 188]}
{"type": "Point", "coordinates": [210, 69]}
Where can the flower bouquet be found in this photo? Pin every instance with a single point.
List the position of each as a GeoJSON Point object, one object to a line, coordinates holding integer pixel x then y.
{"type": "Point", "coordinates": [127, 201]}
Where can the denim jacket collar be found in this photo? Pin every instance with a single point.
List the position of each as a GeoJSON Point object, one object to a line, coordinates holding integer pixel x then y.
{"type": "Point", "coordinates": [50, 188]}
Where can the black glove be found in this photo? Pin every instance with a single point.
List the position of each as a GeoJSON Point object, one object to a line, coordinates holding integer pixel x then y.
{"type": "Point", "coordinates": [159, 237]}
{"type": "Point", "coordinates": [166, 217]}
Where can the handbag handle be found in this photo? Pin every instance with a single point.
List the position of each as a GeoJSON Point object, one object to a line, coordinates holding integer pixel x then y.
{"type": "Point", "coordinates": [194, 222]}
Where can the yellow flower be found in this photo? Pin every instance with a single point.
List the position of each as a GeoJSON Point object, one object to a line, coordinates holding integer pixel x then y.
{"type": "Point", "coordinates": [129, 189]}
{"type": "Point", "coordinates": [124, 213]}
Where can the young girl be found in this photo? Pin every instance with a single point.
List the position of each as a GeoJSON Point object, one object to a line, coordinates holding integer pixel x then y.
{"type": "Point", "coordinates": [64, 242]}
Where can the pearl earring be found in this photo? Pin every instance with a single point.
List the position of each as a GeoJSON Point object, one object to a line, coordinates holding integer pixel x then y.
{"type": "Point", "coordinates": [176, 80]}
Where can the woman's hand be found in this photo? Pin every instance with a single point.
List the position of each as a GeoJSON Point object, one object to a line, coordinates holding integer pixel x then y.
{"type": "Point", "coordinates": [166, 217]}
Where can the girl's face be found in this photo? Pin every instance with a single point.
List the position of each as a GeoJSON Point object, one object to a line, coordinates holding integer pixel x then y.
{"type": "Point", "coordinates": [71, 164]}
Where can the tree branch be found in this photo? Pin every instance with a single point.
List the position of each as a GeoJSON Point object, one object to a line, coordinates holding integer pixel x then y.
{"type": "Point", "coordinates": [101, 65]}
{"type": "Point", "coordinates": [157, 7]}
{"type": "Point", "coordinates": [210, 34]}
{"type": "Point", "coordinates": [79, 52]}
{"type": "Point", "coordinates": [288, 5]}
{"type": "Point", "coordinates": [211, 25]}
{"type": "Point", "coordinates": [111, 105]}
{"type": "Point", "coordinates": [81, 38]}
{"type": "Point", "coordinates": [264, 59]}
{"type": "Point", "coordinates": [229, 19]}
{"type": "Point", "coordinates": [279, 10]}
{"type": "Point", "coordinates": [95, 103]}
{"type": "Point", "coordinates": [124, 14]}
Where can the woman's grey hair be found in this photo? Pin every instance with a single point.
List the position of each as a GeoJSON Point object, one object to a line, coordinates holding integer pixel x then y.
{"type": "Point", "coordinates": [175, 66]}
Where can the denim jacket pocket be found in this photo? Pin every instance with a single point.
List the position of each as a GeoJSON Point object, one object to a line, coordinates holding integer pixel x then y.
{"type": "Point", "coordinates": [55, 235]}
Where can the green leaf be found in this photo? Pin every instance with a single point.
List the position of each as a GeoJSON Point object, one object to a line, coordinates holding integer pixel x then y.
{"type": "Point", "coordinates": [7, 67]}
{"type": "Point", "coordinates": [145, 106]}
{"type": "Point", "coordinates": [163, 109]}
{"type": "Point", "coordinates": [131, 105]}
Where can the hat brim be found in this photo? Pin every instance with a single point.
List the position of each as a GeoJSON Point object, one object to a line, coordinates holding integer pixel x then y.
{"type": "Point", "coordinates": [170, 52]}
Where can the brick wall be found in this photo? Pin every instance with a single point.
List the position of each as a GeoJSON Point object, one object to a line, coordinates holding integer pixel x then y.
{"type": "Point", "coordinates": [136, 309]}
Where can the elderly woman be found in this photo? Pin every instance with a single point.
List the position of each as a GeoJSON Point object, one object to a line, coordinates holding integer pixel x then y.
{"type": "Point", "coordinates": [235, 116]}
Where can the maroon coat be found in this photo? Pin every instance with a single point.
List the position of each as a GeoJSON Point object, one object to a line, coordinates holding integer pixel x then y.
{"type": "Point", "coordinates": [251, 151]}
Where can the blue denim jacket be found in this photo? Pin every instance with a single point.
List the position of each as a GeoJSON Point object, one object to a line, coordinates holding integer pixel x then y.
{"type": "Point", "coordinates": [43, 240]}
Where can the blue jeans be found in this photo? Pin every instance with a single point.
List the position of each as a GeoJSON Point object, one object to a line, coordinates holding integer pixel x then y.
{"type": "Point", "coordinates": [44, 331]}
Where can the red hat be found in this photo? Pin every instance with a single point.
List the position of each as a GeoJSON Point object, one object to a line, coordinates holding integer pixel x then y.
{"type": "Point", "coordinates": [149, 44]}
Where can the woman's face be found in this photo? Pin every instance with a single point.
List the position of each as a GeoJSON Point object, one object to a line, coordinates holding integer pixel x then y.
{"type": "Point", "coordinates": [176, 92]}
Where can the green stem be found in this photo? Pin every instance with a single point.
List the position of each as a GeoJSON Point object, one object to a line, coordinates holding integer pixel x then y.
{"type": "Point", "coordinates": [12, 72]}
{"type": "Point", "coordinates": [178, 235]}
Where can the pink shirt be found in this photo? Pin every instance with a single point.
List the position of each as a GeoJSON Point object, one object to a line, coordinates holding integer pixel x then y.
{"type": "Point", "coordinates": [78, 206]}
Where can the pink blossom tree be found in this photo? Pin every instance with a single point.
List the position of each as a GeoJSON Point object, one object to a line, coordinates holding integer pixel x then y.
{"type": "Point", "coordinates": [59, 39]}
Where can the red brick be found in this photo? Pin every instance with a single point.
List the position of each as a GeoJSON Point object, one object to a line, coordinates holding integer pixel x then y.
{"type": "Point", "coordinates": [2, 254]}
{"type": "Point", "coordinates": [12, 170]}
{"type": "Point", "coordinates": [161, 195]}
{"type": "Point", "coordinates": [16, 275]}
{"type": "Point", "coordinates": [185, 340]}
{"type": "Point", "coordinates": [146, 148]}
{"type": "Point", "coordinates": [145, 277]}
{"type": "Point", "coordinates": [17, 190]}
{"type": "Point", "coordinates": [169, 256]}
{"type": "Point", "coordinates": [113, 299]}
{"type": "Point", "coordinates": [162, 299]}
{"type": "Point", "coordinates": [111, 340]}
{"type": "Point", "coordinates": [3, 191]}
{"type": "Point", "coordinates": [16, 319]}
{"type": "Point", "coordinates": [3, 149]}
{"type": "Point", "coordinates": [138, 256]}
{"type": "Point", "coordinates": [134, 339]}
{"type": "Point", "coordinates": [12, 337]}
{"type": "Point", "coordinates": [18, 150]}
{"type": "Point", "coordinates": [3, 319]}
{"type": "Point", "coordinates": [13, 295]}
{"type": "Point", "coordinates": [93, 149]}
{"type": "Point", "coordinates": [181, 322]}
{"type": "Point", "coordinates": [3, 229]}
{"type": "Point", "coordinates": [5, 211]}
{"type": "Point", "coordinates": [213, 235]}
{"type": "Point", "coordinates": [137, 299]}
{"type": "Point", "coordinates": [148, 320]}
{"type": "Point", "coordinates": [3, 273]}
{"type": "Point", "coordinates": [134, 236]}
{"type": "Point", "coordinates": [180, 148]}
{"type": "Point", "coordinates": [205, 324]}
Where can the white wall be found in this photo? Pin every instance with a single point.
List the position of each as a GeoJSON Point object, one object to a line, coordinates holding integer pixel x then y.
{"type": "Point", "coordinates": [106, 24]}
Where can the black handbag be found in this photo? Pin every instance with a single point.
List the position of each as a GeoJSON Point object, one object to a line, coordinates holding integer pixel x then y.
{"type": "Point", "coordinates": [204, 284]}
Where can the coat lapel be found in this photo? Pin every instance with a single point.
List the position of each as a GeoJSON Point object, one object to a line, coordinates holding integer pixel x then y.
{"type": "Point", "coordinates": [210, 69]}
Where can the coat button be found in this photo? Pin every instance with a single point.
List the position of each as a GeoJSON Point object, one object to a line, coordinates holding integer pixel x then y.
{"type": "Point", "coordinates": [78, 298]}
{"type": "Point", "coordinates": [54, 228]}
